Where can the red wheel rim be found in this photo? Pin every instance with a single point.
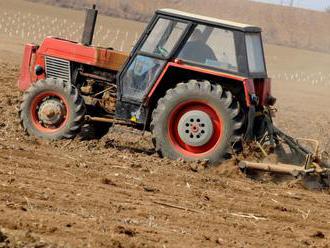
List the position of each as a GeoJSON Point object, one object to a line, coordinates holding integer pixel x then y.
{"type": "Point", "coordinates": [37, 101]}
{"type": "Point", "coordinates": [179, 144]}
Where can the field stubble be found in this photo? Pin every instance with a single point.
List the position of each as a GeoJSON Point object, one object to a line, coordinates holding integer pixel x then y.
{"type": "Point", "coordinates": [117, 192]}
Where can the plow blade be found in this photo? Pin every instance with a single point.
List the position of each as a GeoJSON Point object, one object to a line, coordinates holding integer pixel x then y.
{"type": "Point", "coordinates": [278, 168]}
{"type": "Point", "coordinates": [313, 164]}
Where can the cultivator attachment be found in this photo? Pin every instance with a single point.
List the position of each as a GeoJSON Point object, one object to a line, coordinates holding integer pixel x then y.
{"type": "Point", "coordinates": [307, 161]}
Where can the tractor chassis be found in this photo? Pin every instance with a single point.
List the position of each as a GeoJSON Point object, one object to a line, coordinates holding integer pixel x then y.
{"type": "Point", "coordinates": [111, 120]}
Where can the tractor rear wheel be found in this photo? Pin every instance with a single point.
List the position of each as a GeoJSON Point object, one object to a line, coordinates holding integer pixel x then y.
{"type": "Point", "coordinates": [196, 120]}
{"type": "Point", "coordinates": [52, 109]}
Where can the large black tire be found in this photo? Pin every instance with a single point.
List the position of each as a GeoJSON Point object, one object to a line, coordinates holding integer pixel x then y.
{"type": "Point", "coordinates": [67, 101]}
{"type": "Point", "coordinates": [184, 100]}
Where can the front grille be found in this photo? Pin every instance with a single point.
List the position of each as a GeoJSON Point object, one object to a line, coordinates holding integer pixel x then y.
{"type": "Point", "coordinates": [58, 68]}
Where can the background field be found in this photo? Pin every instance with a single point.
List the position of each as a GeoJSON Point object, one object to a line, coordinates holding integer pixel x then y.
{"type": "Point", "coordinates": [292, 27]}
{"type": "Point", "coordinates": [117, 192]}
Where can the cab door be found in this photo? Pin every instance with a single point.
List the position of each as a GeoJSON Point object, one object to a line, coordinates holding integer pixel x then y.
{"type": "Point", "coordinates": [149, 58]}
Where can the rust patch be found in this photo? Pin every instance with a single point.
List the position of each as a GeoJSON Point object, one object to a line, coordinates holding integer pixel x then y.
{"type": "Point", "coordinates": [110, 59]}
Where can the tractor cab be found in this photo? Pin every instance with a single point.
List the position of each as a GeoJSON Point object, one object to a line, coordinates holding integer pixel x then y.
{"type": "Point", "coordinates": [195, 42]}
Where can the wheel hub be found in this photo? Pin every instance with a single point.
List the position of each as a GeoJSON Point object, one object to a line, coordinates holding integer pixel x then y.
{"type": "Point", "coordinates": [195, 128]}
{"type": "Point", "coordinates": [51, 112]}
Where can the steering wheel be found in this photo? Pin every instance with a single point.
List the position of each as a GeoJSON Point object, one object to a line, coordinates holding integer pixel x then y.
{"type": "Point", "coordinates": [162, 51]}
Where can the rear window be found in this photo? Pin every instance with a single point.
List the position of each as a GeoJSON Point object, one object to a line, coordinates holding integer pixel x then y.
{"type": "Point", "coordinates": [255, 53]}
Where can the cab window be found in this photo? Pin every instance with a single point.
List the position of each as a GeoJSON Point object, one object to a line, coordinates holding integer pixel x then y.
{"type": "Point", "coordinates": [212, 47]}
{"type": "Point", "coordinates": [255, 53]}
{"type": "Point", "coordinates": [145, 68]}
{"type": "Point", "coordinates": [163, 38]}
{"type": "Point", "coordinates": [140, 75]}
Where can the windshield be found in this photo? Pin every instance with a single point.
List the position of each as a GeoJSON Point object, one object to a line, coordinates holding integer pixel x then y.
{"type": "Point", "coordinates": [211, 47]}
{"type": "Point", "coordinates": [145, 68]}
{"type": "Point", "coordinates": [164, 37]}
{"type": "Point", "coordinates": [255, 53]}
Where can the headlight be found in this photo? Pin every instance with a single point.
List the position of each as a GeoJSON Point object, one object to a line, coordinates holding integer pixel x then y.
{"type": "Point", "coordinates": [38, 70]}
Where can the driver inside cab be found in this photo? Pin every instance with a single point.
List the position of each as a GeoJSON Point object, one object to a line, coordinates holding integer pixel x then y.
{"type": "Point", "coordinates": [197, 50]}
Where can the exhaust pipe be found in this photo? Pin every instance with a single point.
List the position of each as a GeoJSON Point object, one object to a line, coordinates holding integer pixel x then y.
{"type": "Point", "coordinates": [90, 21]}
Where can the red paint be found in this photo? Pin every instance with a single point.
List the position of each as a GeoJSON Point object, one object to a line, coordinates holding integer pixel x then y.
{"type": "Point", "coordinates": [178, 61]}
{"type": "Point", "coordinates": [73, 51]}
{"type": "Point", "coordinates": [247, 86]}
{"type": "Point", "coordinates": [248, 90]}
{"type": "Point", "coordinates": [176, 141]}
{"type": "Point", "coordinates": [68, 50]}
{"type": "Point", "coordinates": [25, 79]}
{"type": "Point", "coordinates": [263, 90]}
{"type": "Point", "coordinates": [34, 108]}
{"type": "Point", "coordinates": [39, 60]}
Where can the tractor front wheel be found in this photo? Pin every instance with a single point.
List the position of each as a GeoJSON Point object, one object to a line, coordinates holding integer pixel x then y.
{"type": "Point", "coordinates": [196, 121]}
{"type": "Point", "coordinates": [52, 109]}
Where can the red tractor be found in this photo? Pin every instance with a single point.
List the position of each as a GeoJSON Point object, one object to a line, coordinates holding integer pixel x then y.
{"type": "Point", "coordinates": [199, 84]}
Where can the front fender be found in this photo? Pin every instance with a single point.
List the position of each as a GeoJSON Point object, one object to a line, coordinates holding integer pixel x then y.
{"type": "Point", "coordinates": [25, 77]}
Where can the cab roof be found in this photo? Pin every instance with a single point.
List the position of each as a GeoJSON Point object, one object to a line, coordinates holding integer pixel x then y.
{"type": "Point", "coordinates": [209, 20]}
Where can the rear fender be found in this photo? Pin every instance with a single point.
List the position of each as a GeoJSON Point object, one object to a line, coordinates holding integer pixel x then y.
{"type": "Point", "coordinates": [264, 91]}
{"type": "Point", "coordinates": [247, 84]}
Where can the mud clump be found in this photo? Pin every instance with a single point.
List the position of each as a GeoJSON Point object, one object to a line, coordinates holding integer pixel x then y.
{"type": "Point", "coordinates": [3, 237]}
{"type": "Point", "coordinates": [229, 169]}
{"type": "Point", "coordinates": [125, 230]}
{"type": "Point", "coordinates": [108, 181]}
